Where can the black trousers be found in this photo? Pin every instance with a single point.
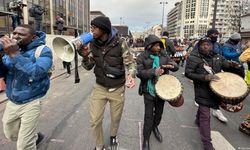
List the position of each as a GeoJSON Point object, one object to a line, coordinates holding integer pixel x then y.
{"type": "Point", "coordinates": [153, 113]}
{"type": "Point", "coordinates": [67, 66]}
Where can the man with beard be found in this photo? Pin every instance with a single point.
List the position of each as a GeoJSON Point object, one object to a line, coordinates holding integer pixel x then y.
{"type": "Point", "coordinates": [27, 80]}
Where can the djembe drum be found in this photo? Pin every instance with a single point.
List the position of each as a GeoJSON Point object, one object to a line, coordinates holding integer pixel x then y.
{"type": "Point", "coordinates": [169, 88]}
{"type": "Point", "coordinates": [231, 89]}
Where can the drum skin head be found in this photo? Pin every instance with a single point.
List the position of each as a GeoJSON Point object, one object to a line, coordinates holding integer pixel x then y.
{"type": "Point", "coordinates": [168, 88]}
{"type": "Point", "coordinates": [230, 87]}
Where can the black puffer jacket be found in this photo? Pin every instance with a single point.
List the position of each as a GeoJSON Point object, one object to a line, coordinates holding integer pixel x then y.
{"type": "Point", "coordinates": [196, 72]}
{"type": "Point", "coordinates": [145, 63]}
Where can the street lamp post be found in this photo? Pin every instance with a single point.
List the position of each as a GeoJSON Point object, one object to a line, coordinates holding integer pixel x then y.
{"type": "Point", "coordinates": [163, 6]}
{"type": "Point", "coordinates": [214, 15]}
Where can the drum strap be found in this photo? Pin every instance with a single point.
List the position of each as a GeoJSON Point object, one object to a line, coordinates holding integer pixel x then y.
{"type": "Point", "coordinates": [207, 67]}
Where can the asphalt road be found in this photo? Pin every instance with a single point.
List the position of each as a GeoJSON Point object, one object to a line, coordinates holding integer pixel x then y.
{"type": "Point", "coordinates": [65, 120]}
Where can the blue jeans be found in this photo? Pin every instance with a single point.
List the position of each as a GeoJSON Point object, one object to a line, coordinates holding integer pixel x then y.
{"type": "Point", "coordinates": [16, 20]}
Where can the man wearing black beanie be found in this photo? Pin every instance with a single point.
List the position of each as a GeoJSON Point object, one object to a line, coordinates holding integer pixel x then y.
{"type": "Point", "coordinates": [109, 56]}
{"type": "Point", "coordinates": [103, 23]}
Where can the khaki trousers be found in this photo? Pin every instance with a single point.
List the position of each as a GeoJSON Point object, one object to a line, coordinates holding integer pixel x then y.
{"type": "Point", "coordinates": [98, 100]}
{"type": "Point", "coordinates": [20, 123]}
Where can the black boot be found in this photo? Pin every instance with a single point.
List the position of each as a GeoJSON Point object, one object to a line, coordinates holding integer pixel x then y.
{"type": "Point", "coordinates": [40, 138]}
{"type": "Point", "coordinates": [145, 145]}
{"type": "Point", "coordinates": [157, 134]}
{"type": "Point", "coordinates": [114, 143]}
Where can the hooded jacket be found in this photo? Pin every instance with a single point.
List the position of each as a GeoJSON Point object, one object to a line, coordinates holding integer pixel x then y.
{"type": "Point", "coordinates": [145, 63]}
{"type": "Point", "coordinates": [232, 51]}
{"type": "Point", "coordinates": [27, 77]}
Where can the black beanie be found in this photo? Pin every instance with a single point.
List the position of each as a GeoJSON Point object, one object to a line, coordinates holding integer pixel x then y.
{"type": "Point", "coordinates": [212, 31]}
{"type": "Point", "coordinates": [165, 33]}
{"type": "Point", "coordinates": [102, 23]}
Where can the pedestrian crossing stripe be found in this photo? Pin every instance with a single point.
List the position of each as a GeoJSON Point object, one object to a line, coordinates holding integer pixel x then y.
{"type": "Point", "coordinates": [219, 142]}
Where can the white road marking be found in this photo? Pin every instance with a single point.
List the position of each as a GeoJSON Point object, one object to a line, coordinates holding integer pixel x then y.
{"type": "Point", "coordinates": [190, 127]}
{"type": "Point", "coordinates": [140, 134]}
{"type": "Point", "coordinates": [219, 142]}
{"type": "Point", "coordinates": [57, 140]}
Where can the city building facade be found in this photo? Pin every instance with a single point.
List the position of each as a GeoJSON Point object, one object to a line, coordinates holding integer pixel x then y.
{"type": "Point", "coordinates": [227, 16]}
{"type": "Point", "coordinates": [174, 23]}
{"type": "Point", "coordinates": [74, 12]}
{"type": "Point", "coordinates": [192, 18]}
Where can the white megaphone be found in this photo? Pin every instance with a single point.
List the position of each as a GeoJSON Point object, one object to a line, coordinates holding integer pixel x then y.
{"type": "Point", "coordinates": [65, 48]}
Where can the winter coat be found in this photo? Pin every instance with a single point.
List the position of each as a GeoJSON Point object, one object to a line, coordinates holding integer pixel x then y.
{"type": "Point", "coordinates": [27, 77]}
{"type": "Point", "coordinates": [232, 52]}
{"type": "Point", "coordinates": [169, 46]}
{"type": "Point", "coordinates": [145, 63]}
{"type": "Point", "coordinates": [109, 60]}
{"type": "Point", "coordinates": [38, 13]}
{"type": "Point", "coordinates": [195, 71]}
{"type": "Point", "coordinates": [59, 24]}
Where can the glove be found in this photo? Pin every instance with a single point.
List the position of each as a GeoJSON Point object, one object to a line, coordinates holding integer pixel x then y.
{"type": "Point", "coordinates": [83, 52]}
{"type": "Point", "coordinates": [211, 77]}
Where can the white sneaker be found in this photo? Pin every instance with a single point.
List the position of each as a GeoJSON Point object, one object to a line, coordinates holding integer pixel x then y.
{"type": "Point", "coordinates": [67, 75]}
{"type": "Point", "coordinates": [196, 104]}
{"type": "Point", "coordinates": [219, 115]}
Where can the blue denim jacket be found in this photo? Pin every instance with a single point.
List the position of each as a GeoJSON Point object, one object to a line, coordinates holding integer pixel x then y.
{"type": "Point", "coordinates": [27, 77]}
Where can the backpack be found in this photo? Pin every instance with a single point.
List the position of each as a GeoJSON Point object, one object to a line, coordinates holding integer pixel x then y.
{"type": "Point", "coordinates": [32, 11]}
{"type": "Point", "coordinates": [38, 53]}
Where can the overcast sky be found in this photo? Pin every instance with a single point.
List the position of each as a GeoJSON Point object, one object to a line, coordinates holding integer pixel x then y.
{"type": "Point", "coordinates": [137, 14]}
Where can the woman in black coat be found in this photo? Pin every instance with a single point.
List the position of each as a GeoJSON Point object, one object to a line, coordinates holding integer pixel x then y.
{"type": "Point", "coordinates": [151, 64]}
{"type": "Point", "coordinates": [196, 70]}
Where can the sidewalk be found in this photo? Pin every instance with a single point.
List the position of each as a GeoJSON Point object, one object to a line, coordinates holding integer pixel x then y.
{"type": "Point", "coordinates": [59, 71]}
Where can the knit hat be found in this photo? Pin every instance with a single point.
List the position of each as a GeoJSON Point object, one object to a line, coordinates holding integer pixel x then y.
{"type": "Point", "coordinates": [102, 23]}
{"type": "Point", "coordinates": [165, 33]}
{"type": "Point", "coordinates": [212, 31]}
{"type": "Point", "coordinates": [235, 36]}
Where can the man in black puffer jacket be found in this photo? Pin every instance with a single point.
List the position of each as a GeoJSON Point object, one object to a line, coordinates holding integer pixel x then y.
{"type": "Point", "coordinates": [151, 64]}
{"type": "Point", "coordinates": [110, 57]}
{"type": "Point", "coordinates": [195, 70]}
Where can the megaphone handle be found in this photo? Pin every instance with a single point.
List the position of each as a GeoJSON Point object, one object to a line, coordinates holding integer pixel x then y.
{"type": "Point", "coordinates": [77, 78]}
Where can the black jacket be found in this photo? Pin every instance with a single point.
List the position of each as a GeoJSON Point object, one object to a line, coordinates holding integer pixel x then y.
{"type": "Point", "coordinates": [38, 10]}
{"type": "Point", "coordinates": [145, 63]}
{"type": "Point", "coordinates": [196, 72]}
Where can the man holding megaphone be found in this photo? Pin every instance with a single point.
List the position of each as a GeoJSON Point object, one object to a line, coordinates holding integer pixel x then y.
{"type": "Point", "coordinates": [110, 55]}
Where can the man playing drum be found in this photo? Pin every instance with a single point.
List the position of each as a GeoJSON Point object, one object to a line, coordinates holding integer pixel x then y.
{"type": "Point", "coordinates": [199, 66]}
{"type": "Point", "coordinates": [151, 64]}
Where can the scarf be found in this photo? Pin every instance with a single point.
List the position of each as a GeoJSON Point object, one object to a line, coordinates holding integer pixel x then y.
{"type": "Point", "coordinates": [151, 85]}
